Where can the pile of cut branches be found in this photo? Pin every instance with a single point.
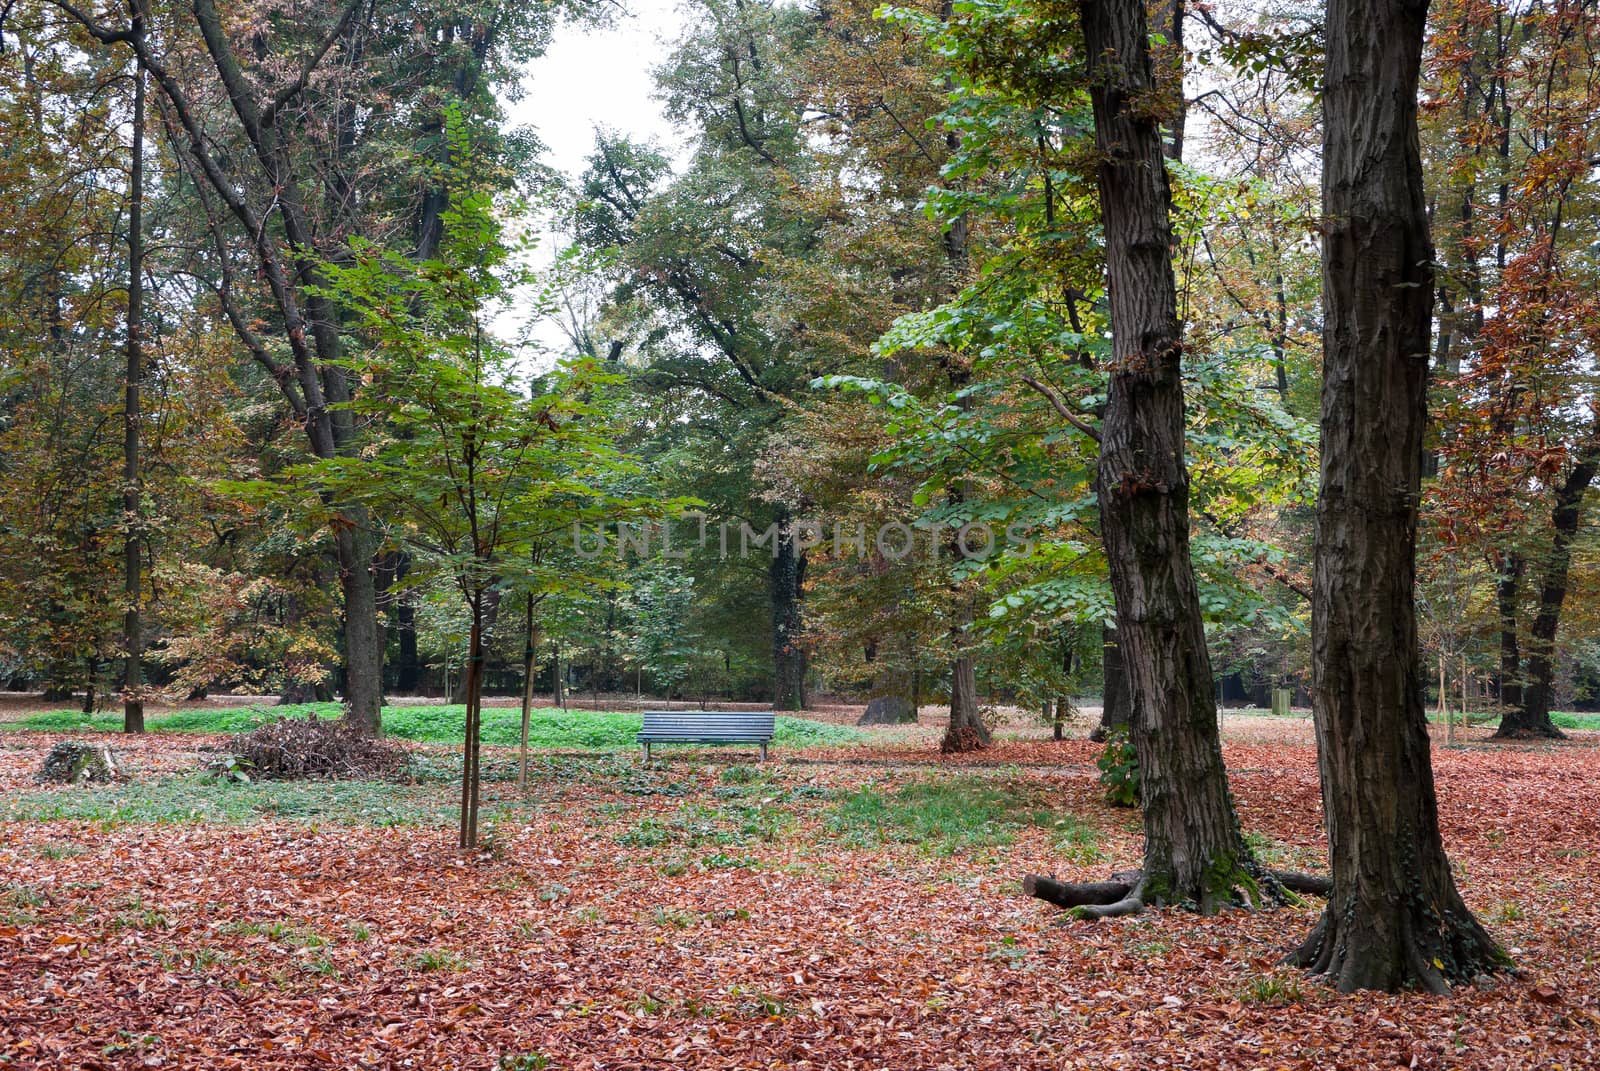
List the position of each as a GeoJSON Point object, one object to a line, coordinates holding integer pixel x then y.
{"type": "Point", "coordinates": [289, 749]}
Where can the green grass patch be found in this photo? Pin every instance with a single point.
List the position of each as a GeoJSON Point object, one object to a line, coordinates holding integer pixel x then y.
{"type": "Point", "coordinates": [1576, 721]}
{"type": "Point", "coordinates": [548, 727]}
{"type": "Point", "coordinates": [949, 814]}
{"type": "Point", "coordinates": [197, 798]}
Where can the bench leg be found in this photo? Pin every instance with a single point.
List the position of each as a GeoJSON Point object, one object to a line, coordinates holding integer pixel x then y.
{"type": "Point", "coordinates": [646, 749]}
{"type": "Point", "coordinates": [763, 753]}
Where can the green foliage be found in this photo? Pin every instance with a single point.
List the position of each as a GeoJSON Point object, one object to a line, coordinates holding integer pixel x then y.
{"type": "Point", "coordinates": [230, 768]}
{"type": "Point", "coordinates": [1119, 769]}
{"type": "Point", "coordinates": [438, 959]}
{"type": "Point", "coordinates": [1272, 990]}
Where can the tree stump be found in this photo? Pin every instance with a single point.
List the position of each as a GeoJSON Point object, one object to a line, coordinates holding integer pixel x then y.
{"type": "Point", "coordinates": [888, 710]}
{"type": "Point", "coordinates": [74, 762]}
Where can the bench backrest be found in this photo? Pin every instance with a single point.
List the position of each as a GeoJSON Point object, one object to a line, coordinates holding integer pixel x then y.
{"type": "Point", "coordinates": [707, 725]}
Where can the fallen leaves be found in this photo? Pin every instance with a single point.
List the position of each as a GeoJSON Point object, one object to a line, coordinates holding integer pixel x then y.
{"type": "Point", "coordinates": [581, 943]}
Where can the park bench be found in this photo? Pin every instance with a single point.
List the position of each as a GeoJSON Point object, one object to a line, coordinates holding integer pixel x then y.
{"type": "Point", "coordinates": [705, 727]}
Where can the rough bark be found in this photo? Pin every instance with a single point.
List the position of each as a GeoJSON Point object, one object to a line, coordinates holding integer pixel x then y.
{"type": "Point", "coordinates": [132, 481]}
{"type": "Point", "coordinates": [1193, 849]}
{"type": "Point", "coordinates": [363, 636]}
{"type": "Point", "coordinates": [966, 731]}
{"type": "Point", "coordinates": [1395, 918]}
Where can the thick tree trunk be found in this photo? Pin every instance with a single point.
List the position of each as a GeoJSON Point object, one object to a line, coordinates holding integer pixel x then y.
{"type": "Point", "coordinates": [132, 482]}
{"type": "Point", "coordinates": [786, 575]}
{"type": "Point", "coordinates": [363, 637]}
{"type": "Point", "coordinates": [1116, 706]}
{"type": "Point", "coordinates": [967, 731]}
{"type": "Point", "coordinates": [1193, 848]}
{"type": "Point", "coordinates": [1533, 718]}
{"type": "Point", "coordinates": [1395, 918]}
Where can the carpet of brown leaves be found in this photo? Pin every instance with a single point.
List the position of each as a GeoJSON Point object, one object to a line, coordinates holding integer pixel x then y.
{"type": "Point", "coordinates": [577, 942]}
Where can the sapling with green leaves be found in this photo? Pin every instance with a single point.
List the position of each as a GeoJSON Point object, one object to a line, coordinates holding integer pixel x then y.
{"type": "Point", "coordinates": [472, 462]}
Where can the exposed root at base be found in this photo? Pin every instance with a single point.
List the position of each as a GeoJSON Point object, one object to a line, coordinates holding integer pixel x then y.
{"type": "Point", "coordinates": [1124, 894]}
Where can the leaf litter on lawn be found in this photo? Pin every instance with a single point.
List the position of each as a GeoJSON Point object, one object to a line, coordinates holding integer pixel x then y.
{"type": "Point", "coordinates": [694, 916]}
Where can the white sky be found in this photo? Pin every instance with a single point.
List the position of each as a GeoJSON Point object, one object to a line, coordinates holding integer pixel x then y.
{"type": "Point", "coordinates": [594, 77]}
{"type": "Point", "coordinates": [600, 77]}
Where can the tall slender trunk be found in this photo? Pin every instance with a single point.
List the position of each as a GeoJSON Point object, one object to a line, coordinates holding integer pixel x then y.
{"type": "Point", "coordinates": [469, 744]}
{"type": "Point", "coordinates": [132, 478]}
{"type": "Point", "coordinates": [1395, 918]}
{"type": "Point", "coordinates": [1193, 849]}
{"type": "Point", "coordinates": [491, 618]}
{"type": "Point", "coordinates": [530, 648]}
{"type": "Point", "coordinates": [1507, 596]}
{"type": "Point", "coordinates": [1532, 716]}
{"type": "Point", "coordinates": [786, 576]}
{"type": "Point", "coordinates": [557, 680]}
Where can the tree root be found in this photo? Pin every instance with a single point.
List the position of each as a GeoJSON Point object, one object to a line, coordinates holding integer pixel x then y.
{"type": "Point", "coordinates": [1124, 894]}
{"type": "Point", "coordinates": [1418, 949]}
{"type": "Point", "coordinates": [1306, 884]}
{"type": "Point", "coordinates": [1528, 732]}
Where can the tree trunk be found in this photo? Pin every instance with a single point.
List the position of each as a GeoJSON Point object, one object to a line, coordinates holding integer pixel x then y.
{"type": "Point", "coordinates": [1116, 707]}
{"type": "Point", "coordinates": [408, 670]}
{"type": "Point", "coordinates": [491, 618]}
{"type": "Point", "coordinates": [1533, 717]}
{"type": "Point", "coordinates": [469, 744]}
{"type": "Point", "coordinates": [530, 648]}
{"type": "Point", "coordinates": [1395, 918]}
{"type": "Point", "coordinates": [967, 731]}
{"type": "Point", "coordinates": [786, 575]}
{"type": "Point", "coordinates": [1507, 595]}
{"type": "Point", "coordinates": [557, 681]}
{"type": "Point", "coordinates": [363, 637]}
{"type": "Point", "coordinates": [1193, 849]}
{"type": "Point", "coordinates": [132, 481]}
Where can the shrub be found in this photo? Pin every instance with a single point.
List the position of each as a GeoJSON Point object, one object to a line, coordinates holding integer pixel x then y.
{"type": "Point", "coordinates": [294, 749]}
{"type": "Point", "coordinates": [1119, 769]}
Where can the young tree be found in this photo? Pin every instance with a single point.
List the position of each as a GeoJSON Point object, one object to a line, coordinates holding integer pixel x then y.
{"type": "Point", "coordinates": [132, 479]}
{"type": "Point", "coordinates": [472, 472]}
{"type": "Point", "coordinates": [1395, 918]}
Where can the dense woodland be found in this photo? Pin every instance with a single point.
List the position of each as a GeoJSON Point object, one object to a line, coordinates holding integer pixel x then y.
{"type": "Point", "coordinates": [873, 294]}
{"type": "Point", "coordinates": [1250, 383]}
